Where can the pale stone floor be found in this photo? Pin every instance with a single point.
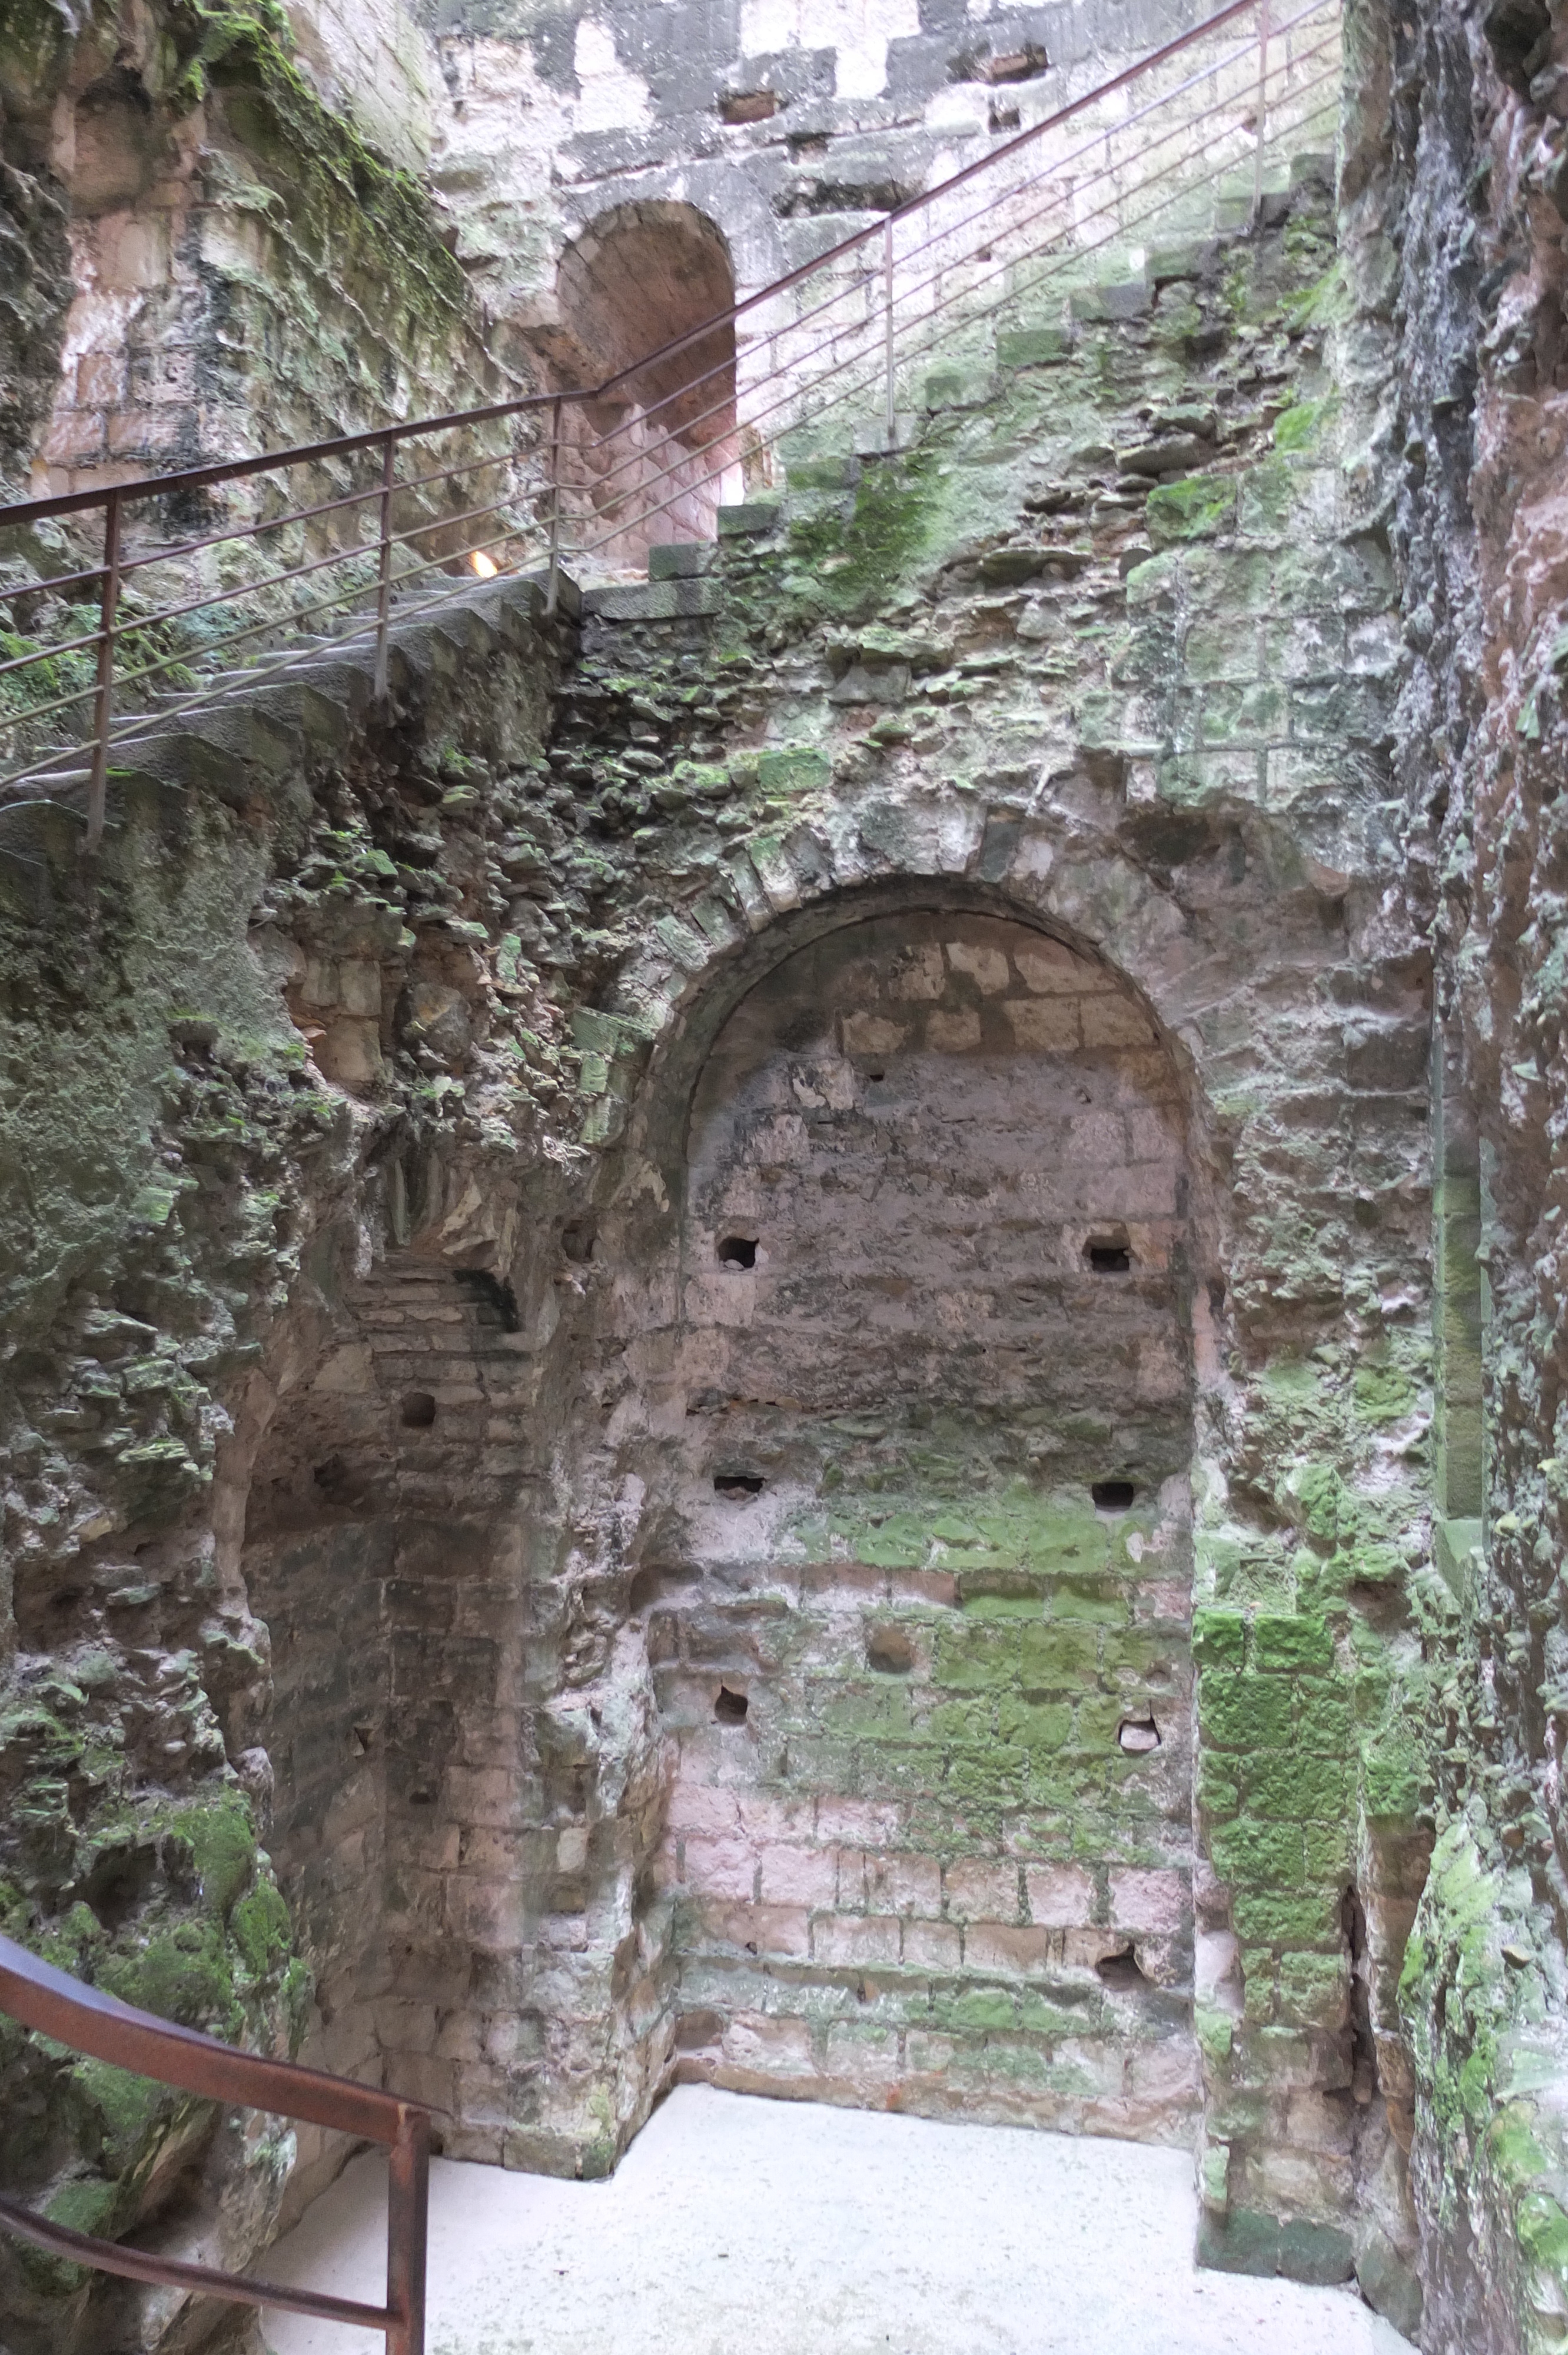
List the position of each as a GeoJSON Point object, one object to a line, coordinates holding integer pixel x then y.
{"type": "Point", "coordinates": [743, 2227]}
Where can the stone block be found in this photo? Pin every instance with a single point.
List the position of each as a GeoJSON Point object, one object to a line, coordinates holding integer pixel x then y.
{"type": "Point", "coordinates": [685, 559]}
{"type": "Point", "coordinates": [863, 2055]}
{"type": "Point", "coordinates": [777, 2047]}
{"type": "Point", "coordinates": [749, 519]}
{"type": "Point", "coordinates": [1291, 1644]}
{"type": "Point", "coordinates": [937, 1946]}
{"type": "Point", "coordinates": [976, 1889]}
{"type": "Point", "coordinates": [1119, 299]}
{"type": "Point", "coordinates": [762, 1929]}
{"type": "Point", "coordinates": [653, 600]}
{"type": "Point", "coordinates": [903, 1884]}
{"type": "Point", "coordinates": [1008, 1948]}
{"type": "Point", "coordinates": [1243, 1713]}
{"type": "Point", "coordinates": [841, 1939]}
{"type": "Point", "coordinates": [1152, 1901]}
{"type": "Point", "coordinates": [1024, 347]}
{"type": "Point", "coordinates": [1061, 1896]}
{"type": "Point", "coordinates": [1045, 1025]}
{"type": "Point", "coordinates": [798, 1876]}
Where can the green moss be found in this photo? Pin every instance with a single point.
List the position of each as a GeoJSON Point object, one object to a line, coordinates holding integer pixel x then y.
{"type": "Point", "coordinates": [261, 1930]}
{"type": "Point", "coordinates": [223, 1849]}
{"type": "Point", "coordinates": [849, 567]}
{"type": "Point", "coordinates": [85, 2206]}
{"type": "Point", "coordinates": [1301, 426]}
{"type": "Point", "coordinates": [326, 169]}
{"type": "Point", "coordinates": [1195, 509]}
{"type": "Point", "coordinates": [119, 2115]}
{"type": "Point", "coordinates": [1290, 1644]}
{"type": "Point", "coordinates": [183, 1975]}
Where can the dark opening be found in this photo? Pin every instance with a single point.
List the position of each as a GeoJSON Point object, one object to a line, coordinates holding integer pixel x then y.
{"type": "Point", "coordinates": [1364, 2045]}
{"type": "Point", "coordinates": [1121, 1973]}
{"type": "Point", "coordinates": [495, 1303]}
{"type": "Point", "coordinates": [1108, 1259]}
{"type": "Point", "coordinates": [730, 1708]}
{"type": "Point", "coordinates": [738, 1251]}
{"type": "Point", "coordinates": [889, 1650]}
{"type": "Point", "coordinates": [738, 1484]}
{"type": "Point", "coordinates": [363, 1741]}
{"type": "Point", "coordinates": [577, 1241]}
{"type": "Point", "coordinates": [117, 1883]}
{"type": "Point", "coordinates": [877, 1075]}
{"type": "Point", "coordinates": [417, 1410]}
{"type": "Point", "coordinates": [748, 106]}
{"type": "Point", "coordinates": [1113, 1496]}
{"type": "Point", "coordinates": [1138, 1736]}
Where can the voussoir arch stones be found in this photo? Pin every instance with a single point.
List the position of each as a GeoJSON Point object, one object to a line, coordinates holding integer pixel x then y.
{"type": "Point", "coordinates": [1191, 968]}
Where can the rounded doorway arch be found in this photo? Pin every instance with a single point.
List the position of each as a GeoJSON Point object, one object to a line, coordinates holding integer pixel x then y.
{"type": "Point", "coordinates": [647, 464]}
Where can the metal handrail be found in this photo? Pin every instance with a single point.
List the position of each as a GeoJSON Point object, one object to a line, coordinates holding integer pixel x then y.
{"type": "Point", "coordinates": [54, 2004]}
{"type": "Point", "coordinates": [627, 454]}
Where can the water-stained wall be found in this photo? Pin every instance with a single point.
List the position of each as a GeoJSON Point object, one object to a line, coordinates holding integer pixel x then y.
{"type": "Point", "coordinates": [923, 1642]}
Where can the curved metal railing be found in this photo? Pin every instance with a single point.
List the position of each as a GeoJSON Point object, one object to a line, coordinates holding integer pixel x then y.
{"type": "Point", "coordinates": [54, 2004]}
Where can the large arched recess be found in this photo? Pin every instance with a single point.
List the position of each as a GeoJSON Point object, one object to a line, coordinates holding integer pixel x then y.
{"type": "Point", "coordinates": [905, 1269]}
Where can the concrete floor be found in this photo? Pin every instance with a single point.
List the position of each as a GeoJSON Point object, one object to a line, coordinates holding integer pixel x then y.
{"type": "Point", "coordinates": [742, 2227]}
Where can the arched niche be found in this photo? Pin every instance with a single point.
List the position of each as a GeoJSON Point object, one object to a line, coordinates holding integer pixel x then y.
{"type": "Point", "coordinates": [916, 1385]}
{"type": "Point", "coordinates": [646, 464]}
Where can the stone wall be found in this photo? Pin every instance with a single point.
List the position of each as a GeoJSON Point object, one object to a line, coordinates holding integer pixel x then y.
{"type": "Point", "coordinates": [1470, 208]}
{"type": "Point", "coordinates": [381, 1321]}
{"type": "Point", "coordinates": [929, 1832]}
{"type": "Point", "coordinates": [243, 270]}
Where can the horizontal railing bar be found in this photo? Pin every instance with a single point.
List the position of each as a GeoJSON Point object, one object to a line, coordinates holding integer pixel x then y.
{"type": "Point", "coordinates": [57, 580]}
{"type": "Point", "coordinates": [235, 470]}
{"type": "Point", "coordinates": [173, 551]}
{"type": "Point", "coordinates": [52, 2003]}
{"type": "Point", "coordinates": [174, 2272]}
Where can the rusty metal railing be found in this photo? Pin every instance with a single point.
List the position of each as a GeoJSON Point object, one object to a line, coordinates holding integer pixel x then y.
{"type": "Point", "coordinates": [53, 2004]}
{"type": "Point", "coordinates": [541, 479]}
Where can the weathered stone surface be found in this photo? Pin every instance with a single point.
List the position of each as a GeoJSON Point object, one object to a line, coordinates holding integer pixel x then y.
{"type": "Point", "coordinates": [556, 1349]}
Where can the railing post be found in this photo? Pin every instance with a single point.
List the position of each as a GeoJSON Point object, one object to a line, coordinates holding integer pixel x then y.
{"type": "Point", "coordinates": [1262, 111]}
{"type": "Point", "coordinates": [103, 701]}
{"type": "Point", "coordinates": [384, 585]}
{"type": "Point", "coordinates": [889, 396]}
{"type": "Point", "coordinates": [407, 2224]}
{"type": "Point", "coordinates": [553, 589]}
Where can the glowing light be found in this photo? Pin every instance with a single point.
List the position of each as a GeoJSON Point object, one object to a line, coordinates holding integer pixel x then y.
{"type": "Point", "coordinates": [485, 566]}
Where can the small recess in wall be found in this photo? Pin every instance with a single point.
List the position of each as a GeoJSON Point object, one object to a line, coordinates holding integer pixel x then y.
{"type": "Point", "coordinates": [888, 1650]}
{"type": "Point", "coordinates": [1108, 1258]}
{"type": "Point", "coordinates": [363, 1741]}
{"type": "Point", "coordinates": [738, 1251]}
{"type": "Point", "coordinates": [730, 1708]}
{"type": "Point", "coordinates": [417, 1412]}
{"type": "Point", "coordinates": [1113, 1496]}
{"type": "Point", "coordinates": [748, 106]}
{"type": "Point", "coordinates": [738, 1484]}
{"type": "Point", "coordinates": [1138, 1736]}
{"type": "Point", "coordinates": [1120, 1972]}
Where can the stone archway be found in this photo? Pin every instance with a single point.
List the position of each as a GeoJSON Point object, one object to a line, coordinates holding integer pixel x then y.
{"type": "Point", "coordinates": [645, 464]}
{"type": "Point", "coordinates": [917, 1579]}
